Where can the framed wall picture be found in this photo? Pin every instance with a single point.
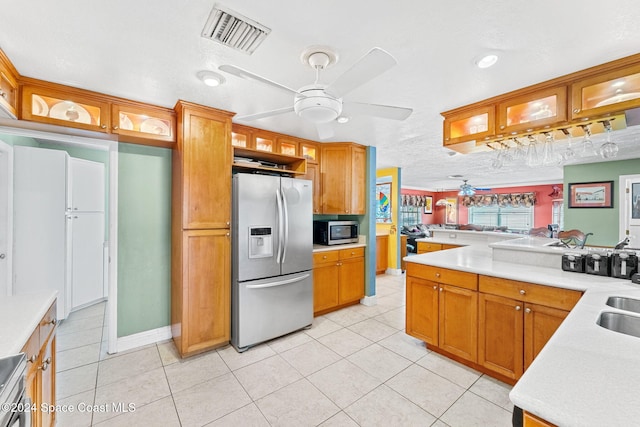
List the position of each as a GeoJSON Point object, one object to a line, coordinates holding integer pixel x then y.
{"type": "Point", "coordinates": [428, 204]}
{"type": "Point", "coordinates": [591, 194]}
{"type": "Point", "coordinates": [383, 197]}
{"type": "Point", "coordinates": [451, 213]}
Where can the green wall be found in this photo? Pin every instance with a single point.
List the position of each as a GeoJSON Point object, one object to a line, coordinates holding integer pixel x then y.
{"type": "Point", "coordinates": [144, 238]}
{"type": "Point", "coordinates": [602, 222]}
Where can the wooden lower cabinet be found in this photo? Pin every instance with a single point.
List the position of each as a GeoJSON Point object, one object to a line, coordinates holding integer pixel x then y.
{"type": "Point", "coordinates": [442, 314]}
{"type": "Point", "coordinates": [540, 322]}
{"type": "Point", "coordinates": [424, 247]}
{"type": "Point", "coordinates": [382, 254]}
{"type": "Point", "coordinates": [338, 279]}
{"type": "Point", "coordinates": [201, 308]}
{"type": "Point", "coordinates": [530, 420]}
{"type": "Point", "coordinates": [40, 378]}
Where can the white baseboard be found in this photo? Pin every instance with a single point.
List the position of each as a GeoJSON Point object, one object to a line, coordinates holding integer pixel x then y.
{"type": "Point", "coordinates": [369, 301]}
{"type": "Point", "coordinates": [144, 338]}
{"type": "Point", "coordinates": [394, 271]}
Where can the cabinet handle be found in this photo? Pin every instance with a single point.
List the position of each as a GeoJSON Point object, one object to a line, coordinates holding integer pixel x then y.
{"type": "Point", "coordinates": [32, 359]}
{"type": "Point", "coordinates": [440, 289]}
{"type": "Point", "coordinates": [576, 110]}
{"type": "Point", "coordinates": [518, 308]}
{"type": "Point", "coordinates": [48, 360]}
{"type": "Point", "coordinates": [115, 127]}
{"type": "Point", "coordinates": [324, 257]}
{"type": "Point", "coordinates": [227, 222]}
{"type": "Point", "coordinates": [522, 292]}
{"type": "Point", "coordinates": [227, 234]}
{"type": "Point", "coordinates": [3, 94]}
{"type": "Point", "coordinates": [103, 126]}
{"type": "Point", "coordinates": [437, 274]}
{"type": "Point", "coordinates": [53, 321]}
{"type": "Point", "coordinates": [435, 288]}
{"type": "Point", "coordinates": [527, 310]}
{"type": "Point", "coordinates": [353, 253]}
{"type": "Point", "coordinates": [502, 127]}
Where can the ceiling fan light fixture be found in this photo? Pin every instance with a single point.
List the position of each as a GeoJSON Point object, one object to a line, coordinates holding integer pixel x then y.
{"type": "Point", "coordinates": [210, 78]}
{"type": "Point", "coordinates": [315, 105]}
{"type": "Point", "coordinates": [342, 119]}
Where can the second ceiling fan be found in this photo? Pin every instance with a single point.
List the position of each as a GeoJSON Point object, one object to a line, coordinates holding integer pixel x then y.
{"type": "Point", "coordinates": [322, 104]}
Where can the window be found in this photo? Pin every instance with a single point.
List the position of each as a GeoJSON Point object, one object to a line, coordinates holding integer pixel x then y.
{"type": "Point", "coordinates": [557, 213]}
{"type": "Point", "coordinates": [410, 215]}
{"type": "Point", "coordinates": [520, 218]}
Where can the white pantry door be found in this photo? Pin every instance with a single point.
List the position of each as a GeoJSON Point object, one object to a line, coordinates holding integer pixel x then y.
{"type": "Point", "coordinates": [630, 209]}
{"type": "Point", "coordinates": [6, 218]}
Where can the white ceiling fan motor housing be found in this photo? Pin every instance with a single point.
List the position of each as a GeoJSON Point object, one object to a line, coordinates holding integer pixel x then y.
{"type": "Point", "coordinates": [315, 105]}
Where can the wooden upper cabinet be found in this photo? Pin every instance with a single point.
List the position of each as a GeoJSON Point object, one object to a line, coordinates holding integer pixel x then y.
{"type": "Point", "coordinates": [202, 167]}
{"type": "Point", "coordinates": [242, 136]}
{"type": "Point", "coordinates": [265, 141]}
{"type": "Point", "coordinates": [606, 94]}
{"type": "Point", "coordinates": [472, 125]}
{"type": "Point", "coordinates": [55, 105]}
{"type": "Point", "coordinates": [310, 151]}
{"type": "Point", "coordinates": [287, 145]}
{"type": "Point", "coordinates": [343, 171]}
{"type": "Point", "coordinates": [140, 123]}
{"type": "Point", "coordinates": [533, 111]}
{"type": "Point", "coordinates": [313, 173]}
{"type": "Point", "coordinates": [8, 86]}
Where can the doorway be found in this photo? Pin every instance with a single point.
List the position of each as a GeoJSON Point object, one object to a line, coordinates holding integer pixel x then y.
{"type": "Point", "coordinates": [630, 209]}
{"type": "Point", "coordinates": [6, 218]}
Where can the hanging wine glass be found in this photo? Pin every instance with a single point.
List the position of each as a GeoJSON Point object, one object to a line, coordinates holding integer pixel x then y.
{"type": "Point", "coordinates": [608, 150]}
{"type": "Point", "coordinates": [498, 160]}
{"type": "Point", "coordinates": [549, 156]}
{"type": "Point", "coordinates": [587, 145]}
{"type": "Point", "coordinates": [520, 152]}
{"type": "Point", "coordinates": [569, 154]}
{"type": "Point", "coordinates": [533, 159]}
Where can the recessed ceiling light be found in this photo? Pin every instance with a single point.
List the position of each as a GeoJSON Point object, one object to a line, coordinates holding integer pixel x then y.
{"type": "Point", "coordinates": [342, 119]}
{"type": "Point", "coordinates": [210, 78]}
{"type": "Point", "coordinates": [487, 60]}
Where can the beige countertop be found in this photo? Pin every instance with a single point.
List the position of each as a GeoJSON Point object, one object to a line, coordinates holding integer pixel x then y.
{"type": "Point", "coordinates": [586, 375]}
{"type": "Point", "coordinates": [323, 248]}
{"type": "Point", "coordinates": [19, 317]}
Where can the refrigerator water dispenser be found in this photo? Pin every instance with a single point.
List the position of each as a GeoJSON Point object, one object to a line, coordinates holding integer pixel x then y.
{"type": "Point", "coordinates": [260, 242]}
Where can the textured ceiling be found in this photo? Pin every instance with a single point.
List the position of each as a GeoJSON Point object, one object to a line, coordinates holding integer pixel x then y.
{"type": "Point", "coordinates": [151, 50]}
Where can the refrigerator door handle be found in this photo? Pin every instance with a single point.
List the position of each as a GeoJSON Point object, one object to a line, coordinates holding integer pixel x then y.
{"type": "Point", "coordinates": [279, 282]}
{"type": "Point", "coordinates": [280, 222]}
{"type": "Point", "coordinates": [285, 226]}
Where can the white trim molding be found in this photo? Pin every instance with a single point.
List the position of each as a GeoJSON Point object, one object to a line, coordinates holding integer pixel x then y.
{"type": "Point", "coordinates": [394, 271]}
{"type": "Point", "coordinates": [143, 338]}
{"type": "Point", "coordinates": [369, 301]}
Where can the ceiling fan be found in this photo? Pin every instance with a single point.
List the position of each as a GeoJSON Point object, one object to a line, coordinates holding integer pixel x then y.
{"type": "Point", "coordinates": [467, 189]}
{"type": "Point", "coordinates": [322, 104]}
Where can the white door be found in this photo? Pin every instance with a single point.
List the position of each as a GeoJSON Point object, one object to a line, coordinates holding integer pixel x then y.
{"type": "Point", "coordinates": [6, 218]}
{"type": "Point", "coordinates": [87, 185]}
{"type": "Point", "coordinates": [40, 200]}
{"type": "Point", "coordinates": [630, 209]}
{"type": "Point", "coordinates": [87, 269]}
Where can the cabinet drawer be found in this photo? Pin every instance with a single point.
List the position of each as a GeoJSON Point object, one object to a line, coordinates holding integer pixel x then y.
{"type": "Point", "coordinates": [549, 296]}
{"type": "Point", "coordinates": [351, 253]}
{"type": "Point", "coordinates": [47, 324]}
{"type": "Point", "coordinates": [429, 247]}
{"type": "Point", "coordinates": [457, 278]}
{"type": "Point", "coordinates": [32, 347]}
{"type": "Point", "coordinates": [325, 256]}
{"type": "Point", "coordinates": [445, 246]}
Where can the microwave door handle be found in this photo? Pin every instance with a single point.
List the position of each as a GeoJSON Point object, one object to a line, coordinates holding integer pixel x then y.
{"type": "Point", "coordinates": [285, 226]}
{"type": "Point", "coordinates": [279, 205]}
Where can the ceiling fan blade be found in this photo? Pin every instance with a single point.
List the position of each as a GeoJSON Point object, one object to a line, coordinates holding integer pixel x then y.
{"type": "Point", "coordinates": [248, 75]}
{"type": "Point", "coordinates": [374, 63]}
{"type": "Point", "coordinates": [384, 111]}
{"type": "Point", "coordinates": [264, 114]}
{"type": "Point", "coordinates": [325, 130]}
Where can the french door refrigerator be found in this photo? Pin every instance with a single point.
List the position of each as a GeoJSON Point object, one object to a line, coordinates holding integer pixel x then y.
{"type": "Point", "coordinates": [272, 278]}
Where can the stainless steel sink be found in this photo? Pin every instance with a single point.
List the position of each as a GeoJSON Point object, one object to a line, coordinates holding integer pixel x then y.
{"type": "Point", "coordinates": [619, 322]}
{"type": "Point", "coordinates": [623, 303]}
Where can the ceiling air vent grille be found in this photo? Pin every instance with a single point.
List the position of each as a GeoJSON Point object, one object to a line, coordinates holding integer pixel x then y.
{"type": "Point", "coordinates": [234, 30]}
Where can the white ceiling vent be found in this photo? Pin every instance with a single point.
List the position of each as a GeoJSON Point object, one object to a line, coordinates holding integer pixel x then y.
{"type": "Point", "coordinates": [234, 30]}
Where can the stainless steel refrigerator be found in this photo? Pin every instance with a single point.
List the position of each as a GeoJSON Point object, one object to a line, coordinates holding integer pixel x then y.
{"type": "Point", "coordinates": [272, 278]}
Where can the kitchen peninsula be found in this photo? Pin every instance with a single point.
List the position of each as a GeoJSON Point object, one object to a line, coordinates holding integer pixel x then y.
{"type": "Point", "coordinates": [585, 375]}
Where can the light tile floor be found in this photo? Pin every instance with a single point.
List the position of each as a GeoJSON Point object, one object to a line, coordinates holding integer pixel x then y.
{"type": "Point", "coordinates": [353, 367]}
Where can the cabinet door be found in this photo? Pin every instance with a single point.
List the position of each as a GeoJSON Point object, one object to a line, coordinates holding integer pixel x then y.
{"type": "Point", "coordinates": [207, 289]}
{"type": "Point", "coordinates": [310, 151]}
{"type": "Point", "coordinates": [287, 146]}
{"type": "Point", "coordinates": [325, 286]}
{"type": "Point", "coordinates": [87, 258]}
{"type": "Point", "coordinates": [140, 123]}
{"type": "Point", "coordinates": [500, 335]}
{"type": "Point", "coordinates": [56, 105]}
{"type": "Point", "coordinates": [458, 321]}
{"type": "Point", "coordinates": [242, 136]}
{"type": "Point", "coordinates": [422, 309]}
{"type": "Point", "coordinates": [606, 94]}
{"type": "Point", "coordinates": [8, 86]}
{"type": "Point", "coordinates": [48, 382]}
{"type": "Point", "coordinates": [87, 185]}
{"type": "Point", "coordinates": [313, 173]}
{"type": "Point", "coordinates": [472, 125]}
{"type": "Point", "coordinates": [382, 256]}
{"type": "Point", "coordinates": [540, 323]}
{"type": "Point", "coordinates": [358, 176]}
{"type": "Point", "coordinates": [533, 111]}
{"type": "Point", "coordinates": [351, 280]}
{"type": "Point", "coordinates": [265, 141]}
{"type": "Point", "coordinates": [335, 171]}
{"type": "Point", "coordinates": [207, 172]}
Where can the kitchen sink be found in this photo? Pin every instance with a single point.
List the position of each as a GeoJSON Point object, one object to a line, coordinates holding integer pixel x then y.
{"type": "Point", "coordinates": [622, 323]}
{"type": "Point", "coordinates": [623, 303]}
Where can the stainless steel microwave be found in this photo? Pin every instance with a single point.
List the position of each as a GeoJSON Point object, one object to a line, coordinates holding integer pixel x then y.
{"type": "Point", "coordinates": [334, 232]}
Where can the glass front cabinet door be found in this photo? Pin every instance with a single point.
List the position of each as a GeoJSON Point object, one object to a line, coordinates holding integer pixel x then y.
{"type": "Point", "coordinates": [475, 124]}
{"type": "Point", "coordinates": [48, 105]}
{"type": "Point", "coordinates": [143, 123]}
{"type": "Point", "coordinates": [533, 111]}
{"type": "Point", "coordinates": [606, 94]}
